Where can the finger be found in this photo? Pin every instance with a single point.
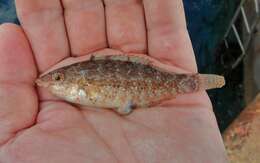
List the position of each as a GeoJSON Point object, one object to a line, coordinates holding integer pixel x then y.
{"type": "Point", "coordinates": [168, 38]}
{"type": "Point", "coordinates": [85, 23]}
{"type": "Point", "coordinates": [126, 25]}
{"type": "Point", "coordinates": [44, 25]}
{"type": "Point", "coordinates": [18, 100]}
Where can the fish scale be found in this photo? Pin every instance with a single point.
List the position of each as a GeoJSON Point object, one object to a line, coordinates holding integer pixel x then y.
{"type": "Point", "coordinates": [122, 83]}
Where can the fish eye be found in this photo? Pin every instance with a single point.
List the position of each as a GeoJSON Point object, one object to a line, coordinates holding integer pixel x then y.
{"type": "Point", "coordinates": [58, 76]}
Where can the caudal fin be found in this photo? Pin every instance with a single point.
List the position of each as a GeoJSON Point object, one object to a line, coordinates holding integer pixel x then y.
{"type": "Point", "coordinates": [209, 81]}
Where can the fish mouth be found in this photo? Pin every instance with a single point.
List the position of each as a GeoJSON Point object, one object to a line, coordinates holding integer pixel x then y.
{"type": "Point", "coordinates": [41, 83]}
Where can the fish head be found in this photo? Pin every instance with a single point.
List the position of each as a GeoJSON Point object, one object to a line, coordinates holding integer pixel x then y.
{"type": "Point", "coordinates": [56, 77]}
{"type": "Point", "coordinates": [61, 82]}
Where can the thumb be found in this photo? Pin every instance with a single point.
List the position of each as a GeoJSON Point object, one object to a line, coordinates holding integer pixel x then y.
{"type": "Point", "coordinates": [18, 98]}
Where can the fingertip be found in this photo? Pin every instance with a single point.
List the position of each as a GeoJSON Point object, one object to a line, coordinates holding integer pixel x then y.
{"type": "Point", "coordinates": [7, 26]}
{"type": "Point", "coordinates": [8, 30]}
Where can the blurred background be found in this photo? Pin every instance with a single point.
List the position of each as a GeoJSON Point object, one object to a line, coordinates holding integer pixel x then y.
{"type": "Point", "coordinates": [226, 42]}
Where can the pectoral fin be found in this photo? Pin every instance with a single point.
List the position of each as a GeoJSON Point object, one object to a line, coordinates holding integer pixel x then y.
{"type": "Point", "coordinates": [125, 109]}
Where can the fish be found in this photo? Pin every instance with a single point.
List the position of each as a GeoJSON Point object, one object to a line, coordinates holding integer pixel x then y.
{"type": "Point", "coordinates": [122, 83]}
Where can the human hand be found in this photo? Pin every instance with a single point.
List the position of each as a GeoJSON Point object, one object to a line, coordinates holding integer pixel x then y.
{"type": "Point", "coordinates": [37, 128]}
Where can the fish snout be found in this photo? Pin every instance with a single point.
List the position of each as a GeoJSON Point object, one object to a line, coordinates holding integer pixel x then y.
{"type": "Point", "coordinates": [39, 82]}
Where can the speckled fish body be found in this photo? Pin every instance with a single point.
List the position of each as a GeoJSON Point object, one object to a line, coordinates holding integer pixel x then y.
{"type": "Point", "coordinates": [121, 84]}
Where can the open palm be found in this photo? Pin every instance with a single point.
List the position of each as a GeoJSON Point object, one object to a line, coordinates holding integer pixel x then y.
{"type": "Point", "coordinates": [37, 128]}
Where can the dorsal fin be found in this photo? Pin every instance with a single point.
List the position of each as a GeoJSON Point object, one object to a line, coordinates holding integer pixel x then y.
{"type": "Point", "coordinates": [122, 57]}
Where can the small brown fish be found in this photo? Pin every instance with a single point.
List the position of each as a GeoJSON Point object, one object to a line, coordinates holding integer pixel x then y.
{"type": "Point", "coordinates": [122, 82]}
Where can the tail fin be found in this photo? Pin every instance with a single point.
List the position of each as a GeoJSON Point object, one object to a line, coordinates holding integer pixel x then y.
{"type": "Point", "coordinates": [209, 81]}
